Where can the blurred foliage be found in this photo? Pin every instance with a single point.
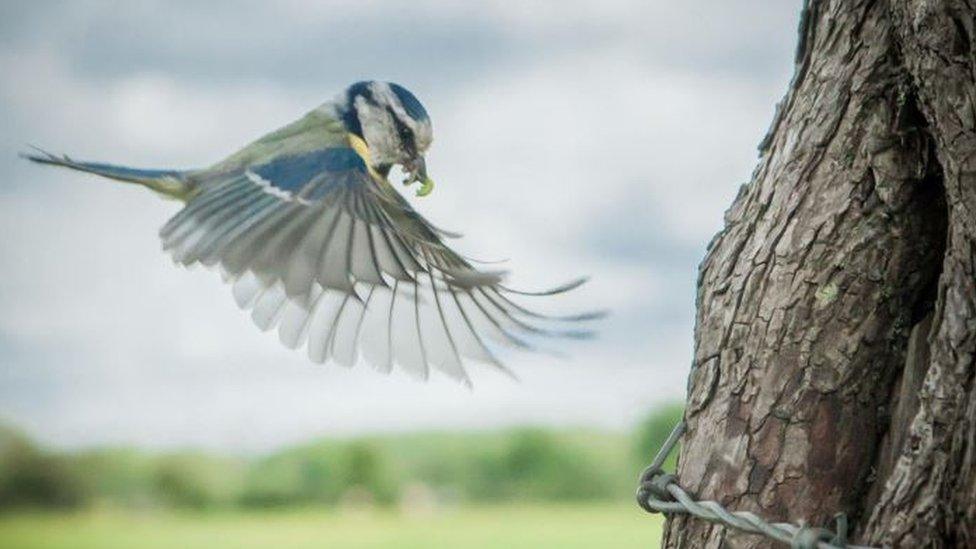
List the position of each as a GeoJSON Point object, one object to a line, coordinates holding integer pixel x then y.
{"type": "Point", "coordinates": [654, 430]}
{"type": "Point", "coordinates": [321, 473]}
{"type": "Point", "coordinates": [538, 465]}
{"type": "Point", "coordinates": [30, 477]}
{"type": "Point", "coordinates": [197, 481]}
{"type": "Point", "coordinates": [412, 470]}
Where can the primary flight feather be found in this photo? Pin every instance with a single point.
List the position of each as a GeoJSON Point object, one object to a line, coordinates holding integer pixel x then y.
{"type": "Point", "coordinates": [318, 244]}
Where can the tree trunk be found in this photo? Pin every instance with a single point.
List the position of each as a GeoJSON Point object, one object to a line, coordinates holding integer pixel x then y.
{"type": "Point", "coordinates": [836, 327]}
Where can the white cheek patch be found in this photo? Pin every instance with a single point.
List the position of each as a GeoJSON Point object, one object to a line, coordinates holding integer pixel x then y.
{"type": "Point", "coordinates": [379, 133]}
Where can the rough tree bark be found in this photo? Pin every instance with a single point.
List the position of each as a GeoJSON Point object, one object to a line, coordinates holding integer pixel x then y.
{"type": "Point", "coordinates": [836, 326]}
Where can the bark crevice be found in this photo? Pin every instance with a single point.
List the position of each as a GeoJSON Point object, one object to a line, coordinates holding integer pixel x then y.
{"type": "Point", "coordinates": [927, 202]}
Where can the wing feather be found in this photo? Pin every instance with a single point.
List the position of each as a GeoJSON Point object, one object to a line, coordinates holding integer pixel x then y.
{"type": "Point", "coordinates": [246, 290]}
{"type": "Point", "coordinates": [322, 324]}
{"type": "Point", "coordinates": [192, 210]}
{"type": "Point", "coordinates": [302, 268]}
{"type": "Point", "coordinates": [203, 251]}
{"type": "Point", "coordinates": [377, 337]}
{"type": "Point", "coordinates": [365, 264]}
{"type": "Point", "coordinates": [408, 346]}
{"type": "Point", "coordinates": [443, 350]}
{"type": "Point", "coordinates": [197, 224]}
{"type": "Point", "coordinates": [267, 310]}
{"type": "Point", "coordinates": [214, 227]}
{"type": "Point", "coordinates": [346, 343]}
{"type": "Point", "coordinates": [239, 252]}
{"type": "Point", "coordinates": [293, 330]}
{"type": "Point", "coordinates": [333, 268]}
{"type": "Point", "coordinates": [342, 348]}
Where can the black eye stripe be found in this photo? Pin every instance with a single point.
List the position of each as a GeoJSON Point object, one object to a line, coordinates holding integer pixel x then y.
{"type": "Point", "coordinates": [406, 134]}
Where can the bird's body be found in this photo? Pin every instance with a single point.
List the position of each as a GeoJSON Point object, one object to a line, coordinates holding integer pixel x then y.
{"type": "Point", "coordinates": [318, 243]}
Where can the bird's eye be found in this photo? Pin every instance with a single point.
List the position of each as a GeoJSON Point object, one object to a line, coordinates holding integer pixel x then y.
{"type": "Point", "coordinates": [406, 136]}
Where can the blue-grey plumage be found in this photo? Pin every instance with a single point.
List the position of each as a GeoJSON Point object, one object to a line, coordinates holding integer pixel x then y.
{"type": "Point", "coordinates": [318, 244]}
{"type": "Point", "coordinates": [167, 182]}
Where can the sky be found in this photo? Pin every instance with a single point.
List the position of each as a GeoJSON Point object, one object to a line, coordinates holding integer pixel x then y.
{"type": "Point", "coordinates": [602, 138]}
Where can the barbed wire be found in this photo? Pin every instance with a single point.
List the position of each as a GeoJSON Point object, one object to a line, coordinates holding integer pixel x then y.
{"type": "Point", "coordinates": [659, 492]}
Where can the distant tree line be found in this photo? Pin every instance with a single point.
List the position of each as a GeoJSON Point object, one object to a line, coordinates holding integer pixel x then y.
{"type": "Point", "coordinates": [437, 468]}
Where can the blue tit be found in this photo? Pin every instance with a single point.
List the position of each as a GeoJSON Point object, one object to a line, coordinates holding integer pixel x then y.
{"type": "Point", "coordinates": [317, 243]}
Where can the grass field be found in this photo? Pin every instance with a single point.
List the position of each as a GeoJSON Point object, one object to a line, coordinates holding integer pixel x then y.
{"type": "Point", "coordinates": [511, 527]}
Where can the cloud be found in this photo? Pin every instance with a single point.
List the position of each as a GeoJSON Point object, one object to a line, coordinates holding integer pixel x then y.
{"type": "Point", "coordinates": [329, 43]}
{"type": "Point", "coordinates": [599, 138]}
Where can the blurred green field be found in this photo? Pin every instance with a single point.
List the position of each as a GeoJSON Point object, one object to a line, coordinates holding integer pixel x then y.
{"type": "Point", "coordinates": [566, 526]}
{"type": "Point", "coordinates": [514, 488]}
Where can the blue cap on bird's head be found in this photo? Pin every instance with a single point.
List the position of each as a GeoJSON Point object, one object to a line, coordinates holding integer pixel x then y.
{"type": "Point", "coordinates": [410, 103]}
{"type": "Point", "coordinates": [394, 125]}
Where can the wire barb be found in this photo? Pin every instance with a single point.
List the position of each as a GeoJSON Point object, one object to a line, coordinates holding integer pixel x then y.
{"type": "Point", "coordinates": [659, 492]}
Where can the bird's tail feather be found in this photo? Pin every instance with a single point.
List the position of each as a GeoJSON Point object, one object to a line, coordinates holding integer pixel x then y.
{"type": "Point", "coordinates": [172, 183]}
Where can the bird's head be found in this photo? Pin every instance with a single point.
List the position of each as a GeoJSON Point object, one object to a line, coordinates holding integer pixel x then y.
{"type": "Point", "coordinates": [394, 125]}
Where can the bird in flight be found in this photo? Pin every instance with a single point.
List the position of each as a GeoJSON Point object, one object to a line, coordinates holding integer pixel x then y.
{"type": "Point", "coordinates": [317, 243]}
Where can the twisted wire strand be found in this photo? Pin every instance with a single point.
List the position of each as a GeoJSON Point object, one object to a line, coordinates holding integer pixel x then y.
{"type": "Point", "coordinates": [659, 492]}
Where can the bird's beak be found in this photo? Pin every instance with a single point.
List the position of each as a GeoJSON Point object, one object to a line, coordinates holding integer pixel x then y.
{"type": "Point", "coordinates": [418, 172]}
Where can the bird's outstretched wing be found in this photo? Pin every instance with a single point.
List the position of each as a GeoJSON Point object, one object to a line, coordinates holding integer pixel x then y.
{"type": "Point", "coordinates": [325, 250]}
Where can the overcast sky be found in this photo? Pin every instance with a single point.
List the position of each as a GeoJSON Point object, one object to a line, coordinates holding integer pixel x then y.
{"type": "Point", "coordinates": [571, 137]}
